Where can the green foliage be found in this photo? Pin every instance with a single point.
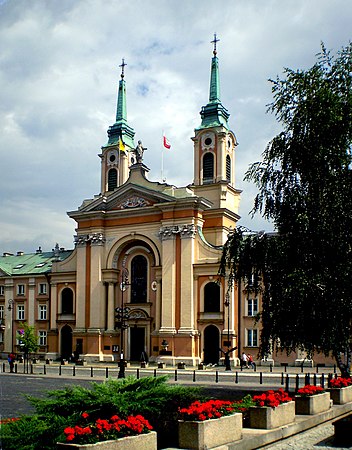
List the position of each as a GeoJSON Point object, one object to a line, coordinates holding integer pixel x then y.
{"type": "Point", "coordinates": [152, 397]}
{"type": "Point", "coordinates": [305, 188]}
{"type": "Point", "coordinates": [32, 433]}
{"type": "Point", "coordinates": [28, 338]}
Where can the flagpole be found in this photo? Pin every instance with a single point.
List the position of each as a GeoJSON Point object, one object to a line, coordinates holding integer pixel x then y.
{"type": "Point", "coordinates": [162, 158]}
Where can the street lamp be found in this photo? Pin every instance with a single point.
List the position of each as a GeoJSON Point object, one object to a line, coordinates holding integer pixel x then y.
{"type": "Point", "coordinates": [122, 316]}
{"type": "Point", "coordinates": [229, 350]}
{"type": "Point", "coordinates": [10, 307]}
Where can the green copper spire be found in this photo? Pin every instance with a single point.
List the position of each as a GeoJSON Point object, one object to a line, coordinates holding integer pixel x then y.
{"type": "Point", "coordinates": [121, 129]}
{"type": "Point", "coordinates": [214, 113]}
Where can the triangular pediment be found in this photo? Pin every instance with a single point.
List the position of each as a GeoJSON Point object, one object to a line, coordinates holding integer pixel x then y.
{"type": "Point", "coordinates": [129, 197]}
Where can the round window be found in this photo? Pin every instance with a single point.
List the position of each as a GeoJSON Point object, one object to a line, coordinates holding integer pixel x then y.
{"type": "Point", "coordinates": [208, 141]}
{"type": "Point", "coordinates": [112, 158]}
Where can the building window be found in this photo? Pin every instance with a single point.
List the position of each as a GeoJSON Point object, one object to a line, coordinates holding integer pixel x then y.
{"type": "Point", "coordinates": [1, 311]}
{"type": "Point", "coordinates": [42, 338]}
{"type": "Point", "coordinates": [67, 301]}
{"type": "Point", "coordinates": [42, 312]}
{"type": "Point", "coordinates": [212, 297]}
{"type": "Point", "coordinates": [42, 289]}
{"type": "Point", "coordinates": [1, 336]}
{"type": "Point", "coordinates": [2, 290]}
{"type": "Point", "coordinates": [139, 277]}
{"type": "Point", "coordinates": [208, 168]}
{"type": "Point", "coordinates": [20, 289]}
{"type": "Point", "coordinates": [20, 312]}
{"type": "Point", "coordinates": [228, 168]}
{"type": "Point", "coordinates": [112, 179]}
{"type": "Point", "coordinates": [252, 306]}
{"type": "Point", "coordinates": [252, 337]}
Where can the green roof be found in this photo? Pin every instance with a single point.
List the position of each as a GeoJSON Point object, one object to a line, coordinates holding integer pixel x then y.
{"type": "Point", "coordinates": [31, 263]}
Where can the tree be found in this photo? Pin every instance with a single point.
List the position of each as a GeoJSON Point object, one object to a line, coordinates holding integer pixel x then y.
{"type": "Point", "coordinates": [28, 340]}
{"type": "Point", "coordinates": [305, 187]}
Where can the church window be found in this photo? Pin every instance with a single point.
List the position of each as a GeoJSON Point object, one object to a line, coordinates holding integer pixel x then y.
{"type": "Point", "coordinates": [67, 301]}
{"type": "Point", "coordinates": [228, 168]}
{"type": "Point", "coordinates": [139, 273]}
{"type": "Point", "coordinates": [112, 179]}
{"type": "Point", "coordinates": [208, 141]}
{"type": "Point", "coordinates": [208, 168]}
{"type": "Point", "coordinates": [212, 297]}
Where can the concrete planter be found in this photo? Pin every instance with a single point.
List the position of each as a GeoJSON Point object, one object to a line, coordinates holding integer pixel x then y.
{"type": "Point", "coordinates": [313, 404]}
{"type": "Point", "coordinates": [141, 441]}
{"type": "Point", "coordinates": [265, 417]}
{"type": "Point", "coordinates": [340, 396]}
{"type": "Point", "coordinates": [209, 433]}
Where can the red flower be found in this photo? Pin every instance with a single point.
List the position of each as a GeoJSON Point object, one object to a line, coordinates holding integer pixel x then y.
{"type": "Point", "coordinates": [211, 409]}
{"type": "Point", "coordinates": [85, 415]}
{"type": "Point", "coordinates": [309, 390]}
{"type": "Point", "coordinates": [340, 382]}
{"type": "Point", "coordinates": [271, 398]}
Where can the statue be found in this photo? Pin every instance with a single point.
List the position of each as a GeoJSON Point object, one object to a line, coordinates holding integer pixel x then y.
{"type": "Point", "coordinates": [139, 150]}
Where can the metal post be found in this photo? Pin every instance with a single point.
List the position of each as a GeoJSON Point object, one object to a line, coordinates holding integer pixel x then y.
{"type": "Point", "coordinates": [287, 387]}
{"type": "Point", "coordinates": [91, 372]}
{"type": "Point", "coordinates": [236, 378]}
{"type": "Point", "coordinates": [122, 315]}
{"type": "Point", "coordinates": [194, 375]}
{"type": "Point", "coordinates": [297, 382]}
{"type": "Point", "coordinates": [216, 376]}
{"type": "Point", "coordinates": [260, 377]}
{"type": "Point", "coordinates": [175, 374]}
{"type": "Point", "coordinates": [74, 371]}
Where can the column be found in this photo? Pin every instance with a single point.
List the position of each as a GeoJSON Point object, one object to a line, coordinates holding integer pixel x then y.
{"type": "Point", "coordinates": [187, 312]}
{"type": "Point", "coordinates": [169, 280]}
{"type": "Point", "coordinates": [111, 304]}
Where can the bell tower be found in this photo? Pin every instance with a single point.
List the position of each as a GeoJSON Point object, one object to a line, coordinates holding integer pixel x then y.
{"type": "Point", "coordinates": [116, 153]}
{"type": "Point", "coordinates": [214, 160]}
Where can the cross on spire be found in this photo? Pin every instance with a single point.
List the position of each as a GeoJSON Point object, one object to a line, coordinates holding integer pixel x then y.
{"type": "Point", "coordinates": [123, 67]}
{"type": "Point", "coordinates": [214, 42]}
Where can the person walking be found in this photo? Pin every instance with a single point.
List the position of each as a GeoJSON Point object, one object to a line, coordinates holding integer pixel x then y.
{"type": "Point", "coordinates": [251, 363]}
{"type": "Point", "coordinates": [11, 360]}
{"type": "Point", "coordinates": [244, 360]}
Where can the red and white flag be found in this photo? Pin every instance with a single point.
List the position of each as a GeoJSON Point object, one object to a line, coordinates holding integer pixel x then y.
{"type": "Point", "coordinates": [166, 142]}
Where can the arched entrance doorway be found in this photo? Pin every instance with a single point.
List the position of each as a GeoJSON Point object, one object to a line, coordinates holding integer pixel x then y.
{"type": "Point", "coordinates": [66, 342]}
{"type": "Point", "coordinates": [211, 345]}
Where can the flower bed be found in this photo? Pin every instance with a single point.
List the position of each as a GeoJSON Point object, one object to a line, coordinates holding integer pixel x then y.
{"type": "Point", "coordinates": [91, 431]}
{"type": "Point", "coordinates": [273, 409]}
{"type": "Point", "coordinates": [340, 390]}
{"type": "Point", "coordinates": [209, 424]}
{"type": "Point", "coordinates": [312, 400]}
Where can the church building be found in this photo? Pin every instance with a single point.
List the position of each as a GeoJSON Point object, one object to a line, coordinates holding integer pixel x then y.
{"type": "Point", "coordinates": [143, 276]}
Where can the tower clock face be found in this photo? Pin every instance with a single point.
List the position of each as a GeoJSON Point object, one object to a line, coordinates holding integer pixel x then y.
{"type": "Point", "coordinates": [112, 158]}
{"type": "Point", "coordinates": [208, 141]}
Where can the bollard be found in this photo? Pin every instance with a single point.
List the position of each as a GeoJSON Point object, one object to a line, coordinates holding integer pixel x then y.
{"type": "Point", "coordinates": [74, 371]}
{"type": "Point", "coordinates": [175, 374]}
{"type": "Point", "coordinates": [297, 383]}
{"type": "Point", "coordinates": [271, 367]}
{"type": "Point", "coordinates": [282, 378]}
{"type": "Point", "coordinates": [44, 368]}
{"type": "Point", "coordinates": [15, 368]}
{"type": "Point", "coordinates": [334, 368]}
{"type": "Point", "coordinates": [137, 376]}
{"type": "Point", "coordinates": [216, 377]}
{"type": "Point", "coordinates": [306, 379]}
{"type": "Point", "coordinates": [154, 373]}
{"type": "Point", "coordinates": [31, 371]}
{"type": "Point", "coordinates": [60, 369]}
{"type": "Point", "coordinates": [106, 372]}
{"type": "Point", "coordinates": [329, 379]}
{"type": "Point", "coordinates": [317, 368]}
{"type": "Point", "coordinates": [194, 375]}
{"type": "Point", "coordinates": [315, 379]}
{"type": "Point", "coordinates": [91, 372]}
{"type": "Point", "coordinates": [236, 378]}
{"type": "Point", "coordinates": [261, 378]}
{"type": "Point", "coordinates": [302, 368]}
{"type": "Point", "coordinates": [3, 367]}
{"type": "Point", "coordinates": [287, 387]}
{"type": "Point", "coordinates": [322, 381]}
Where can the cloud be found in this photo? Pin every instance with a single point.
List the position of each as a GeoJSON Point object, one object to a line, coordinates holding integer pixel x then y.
{"type": "Point", "coordinates": [59, 72]}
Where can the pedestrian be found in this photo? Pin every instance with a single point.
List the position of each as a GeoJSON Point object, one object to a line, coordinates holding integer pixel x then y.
{"type": "Point", "coordinates": [251, 363]}
{"type": "Point", "coordinates": [244, 360]}
{"type": "Point", "coordinates": [11, 360]}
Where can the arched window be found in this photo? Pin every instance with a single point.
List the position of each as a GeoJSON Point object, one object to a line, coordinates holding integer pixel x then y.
{"type": "Point", "coordinates": [212, 297]}
{"type": "Point", "coordinates": [208, 168]}
{"type": "Point", "coordinates": [139, 273]}
{"type": "Point", "coordinates": [67, 301]}
{"type": "Point", "coordinates": [112, 179]}
{"type": "Point", "coordinates": [228, 168]}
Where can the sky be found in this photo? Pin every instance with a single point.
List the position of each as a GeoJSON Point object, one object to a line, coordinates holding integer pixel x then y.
{"type": "Point", "coordinates": [59, 73]}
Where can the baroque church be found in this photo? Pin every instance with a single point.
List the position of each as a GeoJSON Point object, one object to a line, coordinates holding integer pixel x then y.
{"type": "Point", "coordinates": [143, 274]}
{"type": "Point", "coordinates": [142, 280]}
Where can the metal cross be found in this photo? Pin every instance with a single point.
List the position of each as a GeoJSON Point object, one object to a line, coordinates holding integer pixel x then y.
{"type": "Point", "coordinates": [123, 67]}
{"type": "Point", "coordinates": [215, 42]}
